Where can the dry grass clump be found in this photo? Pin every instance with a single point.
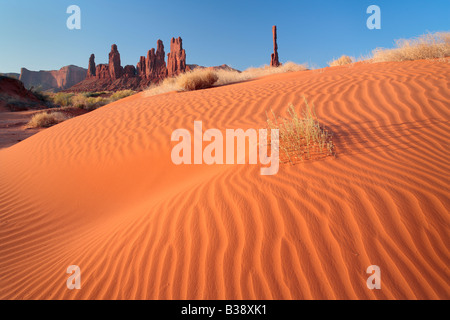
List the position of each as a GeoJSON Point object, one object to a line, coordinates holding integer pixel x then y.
{"type": "Point", "coordinates": [197, 79]}
{"type": "Point", "coordinates": [301, 137]}
{"type": "Point", "coordinates": [341, 61]}
{"type": "Point", "coordinates": [206, 78]}
{"type": "Point", "coordinates": [428, 46]}
{"type": "Point", "coordinates": [45, 120]}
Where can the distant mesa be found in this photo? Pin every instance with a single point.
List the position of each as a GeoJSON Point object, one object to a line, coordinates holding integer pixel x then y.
{"type": "Point", "coordinates": [148, 70]}
{"type": "Point", "coordinates": [274, 61]}
{"type": "Point", "coordinates": [54, 80]}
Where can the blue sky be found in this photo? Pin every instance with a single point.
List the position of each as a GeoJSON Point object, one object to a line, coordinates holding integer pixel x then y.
{"type": "Point", "coordinates": [33, 34]}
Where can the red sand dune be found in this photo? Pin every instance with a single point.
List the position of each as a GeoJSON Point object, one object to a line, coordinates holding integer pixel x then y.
{"type": "Point", "coordinates": [100, 191]}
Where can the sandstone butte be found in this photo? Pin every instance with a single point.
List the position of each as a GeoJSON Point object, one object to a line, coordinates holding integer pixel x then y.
{"type": "Point", "coordinates": [54, 79]}
{"type": "Point", "coordinates": [150, 69]}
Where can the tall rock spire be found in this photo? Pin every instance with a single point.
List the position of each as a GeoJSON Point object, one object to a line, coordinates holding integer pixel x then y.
{"type": "Point", "coordinates": [91, 67]}
{"type": "Point", "coordinates": [176, 59]}
{"type": "Point", "coordinates": [115, 69]}
{"type": "Point", "coordinates": [274, 62]}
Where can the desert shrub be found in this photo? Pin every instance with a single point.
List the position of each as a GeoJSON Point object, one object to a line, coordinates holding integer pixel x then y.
{"type": "Point", "coordinates": [428, 46]}
{"type": "Point", "coordinates": [62, 98]}
{"type": "Point", "coordinates": [79, 101]}
{"type": "Point", "coordinates": [45, 120]}
{"type": "Point", "coordinates": [121, 94]}
{"type": "Point", "coordinates": [197, 79]}
{"type": "Point", "coordinates": [88, 103]}
{"type": "Point", "coordinates": [301, 137]}
{"type": "Point", "coordinates": [341, 61]}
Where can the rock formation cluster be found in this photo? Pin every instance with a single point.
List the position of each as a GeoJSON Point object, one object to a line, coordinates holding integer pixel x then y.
{"type": "Point", "coordinates": [150, 69]}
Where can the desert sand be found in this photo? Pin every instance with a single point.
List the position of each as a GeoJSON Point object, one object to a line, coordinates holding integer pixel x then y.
{"type": "Point", "coordinates": [100, 191]}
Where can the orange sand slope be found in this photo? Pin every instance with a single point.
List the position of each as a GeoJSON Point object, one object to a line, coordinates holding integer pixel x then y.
{"type": "Point", "coordinates": [100, 191]}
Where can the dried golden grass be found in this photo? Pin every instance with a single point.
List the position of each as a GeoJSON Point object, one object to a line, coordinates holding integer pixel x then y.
{"type": "Point", "coordinates": [45, 120]}
{"type": "Point", "coordinates": [341, 61]}
{"type": "Point", "coordinates": [301, 137]}
{"type": "Point", "coordinates": [197, 79]}
{"type": "Point", "coordinates": [206, 78]}
{"type": "Point", "coordinates": [427, 46]}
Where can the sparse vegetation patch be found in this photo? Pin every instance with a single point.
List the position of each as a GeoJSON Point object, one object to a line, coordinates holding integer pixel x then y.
{"type": "Point", "coordinates": [301, 136]}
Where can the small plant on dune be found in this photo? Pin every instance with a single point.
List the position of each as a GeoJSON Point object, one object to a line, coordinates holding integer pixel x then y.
{"type": "Point", "coordinates": [428, 46]}
{"type": "Point", "coordinates": [197, 79]}
{"type": "Point", "coordinates": [45, 120]}
{"type": "Point", "coordinates": [341, 61]}
{"type": "Point", "coordinates": [301, 137]}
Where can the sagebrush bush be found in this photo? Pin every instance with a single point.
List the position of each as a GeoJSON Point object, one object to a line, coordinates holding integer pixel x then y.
{"type": "Point", "coordinates": [62, 98]}
{"type": "Point", "coordinates": [301, 137]}
{"type": "Point", "coordinates": [341, 61]}
{"type": "Point", "coordinates": [88, 103]}
{"type": "Point", "coordinates": [45, 120]}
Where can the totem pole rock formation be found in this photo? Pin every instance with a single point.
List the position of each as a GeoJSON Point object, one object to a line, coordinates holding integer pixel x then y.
{"type": "Point", "coordinates": [140, 67]}
{"type": "Point", "coordinates": [115, 69]}
{"type": "Point", "coordinates": [274, 62]}
{"type": "Point", "coordinates": [155, 63]}
{"type": "Point", "coordinates": [176, 59]}
{"type": "Point", "coordinates": [91, 67]}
